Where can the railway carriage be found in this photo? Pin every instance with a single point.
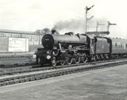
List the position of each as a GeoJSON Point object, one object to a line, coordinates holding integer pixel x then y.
{"type": "Point", "coordinates": [119, 47]}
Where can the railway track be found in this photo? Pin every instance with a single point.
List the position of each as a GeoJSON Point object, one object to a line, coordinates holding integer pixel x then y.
{"type": "Point", "coordinates": [53, 72]}
{"type": "Point", "coordinates": [33, 68]}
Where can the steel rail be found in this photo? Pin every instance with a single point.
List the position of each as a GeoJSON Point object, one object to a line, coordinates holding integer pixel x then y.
{"type": "Point", "coordinates": [25, 77]}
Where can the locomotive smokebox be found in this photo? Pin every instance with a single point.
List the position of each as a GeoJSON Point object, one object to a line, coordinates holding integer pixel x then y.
{"type": "Point", "coordinates": [48, 41]}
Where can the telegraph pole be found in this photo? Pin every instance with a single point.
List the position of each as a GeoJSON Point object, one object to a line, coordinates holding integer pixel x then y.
{"type": "Point", "coordinates": [86, 19]}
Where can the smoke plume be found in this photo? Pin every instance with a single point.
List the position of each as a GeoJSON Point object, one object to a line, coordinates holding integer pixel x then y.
{"type": "Point", "coordinates": [78, 25]}
{"type": "Point", "coordinates": [71, 25]}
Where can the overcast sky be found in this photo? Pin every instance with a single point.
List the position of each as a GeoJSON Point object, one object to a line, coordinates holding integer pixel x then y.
{"type": "Point", "coordinates": [30, 15]}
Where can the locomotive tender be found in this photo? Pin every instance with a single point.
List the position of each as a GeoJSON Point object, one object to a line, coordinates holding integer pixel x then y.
{"type": "Point", "coordinates": [79, 48]}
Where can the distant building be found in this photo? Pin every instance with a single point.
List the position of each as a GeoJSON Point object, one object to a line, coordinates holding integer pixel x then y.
{"type": "Point", "coordinates": [33, 37]}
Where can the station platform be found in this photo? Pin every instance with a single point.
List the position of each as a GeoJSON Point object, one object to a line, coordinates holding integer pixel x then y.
{"type": "Point", "coordinates": [101, 84]}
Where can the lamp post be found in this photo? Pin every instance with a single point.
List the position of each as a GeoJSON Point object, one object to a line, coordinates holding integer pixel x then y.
{"type": "Point", "coordinates": [86, 19]}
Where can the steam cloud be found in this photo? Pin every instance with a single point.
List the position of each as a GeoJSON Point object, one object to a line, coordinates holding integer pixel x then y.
{"type": "Point", "coordinates": [72, 24]}
{"type": "Point", "coordinates": [78, 25]}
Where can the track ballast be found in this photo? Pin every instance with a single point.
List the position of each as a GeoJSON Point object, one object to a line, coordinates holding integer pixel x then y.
{"type": "Point", "coordinates": [58, 71]}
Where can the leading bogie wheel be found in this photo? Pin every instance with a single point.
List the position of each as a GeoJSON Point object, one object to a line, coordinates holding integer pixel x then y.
{"type": "Point", "coordinates": [54, 62]}
{"type": "Point", "coordinates": [40, 61]}
{"type": "Point", "coordinates": [71, 61]}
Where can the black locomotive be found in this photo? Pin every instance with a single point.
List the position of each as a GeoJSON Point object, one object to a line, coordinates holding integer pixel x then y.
{"type": "Point", "coordinates": [79, 48]}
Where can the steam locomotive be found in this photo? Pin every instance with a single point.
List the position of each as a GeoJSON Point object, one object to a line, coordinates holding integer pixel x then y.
{"type": "Point", "coordinates": [80, 48]}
